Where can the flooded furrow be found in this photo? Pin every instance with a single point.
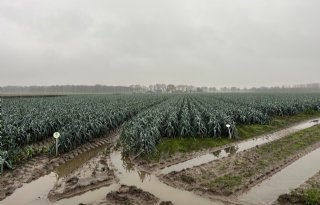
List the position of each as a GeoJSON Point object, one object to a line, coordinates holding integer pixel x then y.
{"type": "Point", "coordinates": [282, 182]}
{"type": "Point", "coordinates": [75, 163]}
{"type": "Point", "coordinates": [150, 183]}
{"type": "Point", "coordinates": [36, 192]}
{"type": "Point", "coordinates": [239, 147]}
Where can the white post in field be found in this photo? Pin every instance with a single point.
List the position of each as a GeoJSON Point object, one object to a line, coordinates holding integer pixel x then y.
{"type": "Point", "coordinates": [56, 135]}
{"type": "Point", "coordinates": [228, 126]}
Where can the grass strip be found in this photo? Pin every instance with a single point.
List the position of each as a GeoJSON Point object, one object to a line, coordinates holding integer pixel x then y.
{"type": "Point", "coordinates": [229, 175]}
{"type": "Point", "coordinates": [171, 146]}
{"type": "Point", "coordinates": [308, 193]}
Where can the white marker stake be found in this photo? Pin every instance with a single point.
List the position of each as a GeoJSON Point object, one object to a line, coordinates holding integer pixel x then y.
{"type": "Point", "coordinates": [228, 126]}
{"type": "Point", "coordinates": [1, 164]}
{"type": "Point", "coordinates": [56, 135]}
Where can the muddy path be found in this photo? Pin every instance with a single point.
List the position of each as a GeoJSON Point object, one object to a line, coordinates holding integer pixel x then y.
{"type": "Point", "coordinates": [145, 185]}
{"type": "Point", "coordinates": [184, 161]}
{"type": "Point", "coordinates": [130, 175]}
{"type": "Point", "coordinates": [44, 165]}
{"type": "Point", "coordinates": [89, 173]}
{"type": "Point", "coordinates": [291, 177]}
{"type": "Point", "coordinates": [297, 196]}
{"type": "Point", "coordinates": [228, 177]}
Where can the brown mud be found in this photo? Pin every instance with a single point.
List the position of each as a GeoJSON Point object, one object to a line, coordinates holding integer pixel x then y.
{"type": "Point", "coordinates": [89, 168]}
{"type": "Point", "coordinates": [227, 178]}
{"type": "Point", "coordinates": [130, 195]}
{"type": "Point", "coordinates": [42, 165]}
{"type": "Point", "coordinates": [90, 176]}
{"type": "Point", "coordinates": [180, 158]}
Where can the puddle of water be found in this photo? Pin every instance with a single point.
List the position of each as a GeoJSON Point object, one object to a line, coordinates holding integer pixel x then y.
{"type": "Point", "coordinates": [87, 197]}
{"type": "Point", "coordinates": [33, 192]}
{"type": "Point", "coordinates": [287, 179]}
{"type": "Point", "coordinates": [36, 192]}
{"type": "Point", "coordinates": [239, 147]}
{"type": "Point", "coordinates": [75, 163]}
{"type": "Point", "coordinates": [151, 184]}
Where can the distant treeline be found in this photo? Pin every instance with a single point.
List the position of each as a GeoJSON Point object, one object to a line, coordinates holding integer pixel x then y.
{"type": "Point", "coordinates": [103, 89]}
{"type": "Point", "coordinates": [314, 87]}
{"type": "Point", "coordinates": [64, 90]}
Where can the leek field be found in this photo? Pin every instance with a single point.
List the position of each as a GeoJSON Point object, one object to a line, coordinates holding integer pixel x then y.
{"type": "Point", "coordinates": [145, 119]}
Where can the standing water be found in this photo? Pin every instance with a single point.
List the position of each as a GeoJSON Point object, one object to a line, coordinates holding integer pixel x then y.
{"type": "Point", "coordinates": [35, 193]}
{"type": "Point", "coordinates": [239, 147]}
{"type": "Point", "coordinates": [285, 180]}
{"type": "Point", "coordinates": [154, 186]}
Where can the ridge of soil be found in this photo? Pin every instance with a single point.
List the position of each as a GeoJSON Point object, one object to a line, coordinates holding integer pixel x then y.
{"type": "Point", "coordinates": [164, 162]}
{"type": "Point", "coordinates": [90, 176]}
{"type": "Point", "coordinates": [43, 164]}
{"type": "Point", "coordinates": [297, 196]}
{"type": "Point", "coordinates": [130, 195]}
{"type": "Point", "coordinates": [226, 178]}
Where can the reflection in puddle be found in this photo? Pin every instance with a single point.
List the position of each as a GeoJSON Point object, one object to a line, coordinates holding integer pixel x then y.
{"type": "Point", "coordinates": [150, 183]}
{"type": "Point", "coordinates": [239, 147]}
{"type": "Point", "coordinates": [128, 166]}
{"type": "Point", "coordinates": [216, 153]}
{"type": "Point", "coordinates": [144, 175]}
{"type": "Point", "coordinates": [75, 163]}
{"type": "Point", "coordinates": [35, 193]}
{"type": "Point", "coordinates": [231, 150]}
{"type": "Point", "coordinates": [282, 182]}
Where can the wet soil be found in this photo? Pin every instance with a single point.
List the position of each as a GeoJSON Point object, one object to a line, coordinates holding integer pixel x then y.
{"type": "Point", "coordinates": [89, 169]}
{"type": "Point", "coordinates": [92, 175]}
{"type": "Point", "coordinates": [170, 163]}
{"type": "Point", "coordinates": [130, 195]}
{"type": "Point", "coordinates": [296, 196]}
{"type": "Point", "coordinates": [43, 165]}
{"type": "Point", "coordinates": [289, 178]}
{"type": "Point", "coordinates": [228, 177]}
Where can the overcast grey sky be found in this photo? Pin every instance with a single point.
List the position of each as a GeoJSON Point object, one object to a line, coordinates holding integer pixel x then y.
{"type": "Point", "coordinates": [121, 42]}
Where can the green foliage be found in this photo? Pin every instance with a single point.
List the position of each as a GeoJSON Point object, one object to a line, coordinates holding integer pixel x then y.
{"type": "Point", "coordinates": [278, 122]}
{"type": "Point", "coordinates": [308, 196]}
{"type": "Point", "coordinates": [198, 116]}
{"type": "Point", "coordinates": [225, 184]}
{"type": "Point", "coordinates": [170, 146]}
{"type": "Point", "coordinates": [312, 196]}
{"type": "Point", "coordinates": [79, 119]}
{"type": "Point", "coordinates": [147, 118]}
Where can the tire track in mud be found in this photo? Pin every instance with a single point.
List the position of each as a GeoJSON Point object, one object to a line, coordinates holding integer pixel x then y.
{"type": "Point", "coordinates": [203, 180]}
{"type": "Point", "coordinates": [177, 190]}
{"type": "Point", "coordinates": [179, 163]}
{"type": "Point", "coordinates": [43, 164]}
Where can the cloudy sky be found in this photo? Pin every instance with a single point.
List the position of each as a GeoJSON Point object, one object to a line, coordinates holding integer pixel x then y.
{"type": "Point", "coordinates": [121, 42]}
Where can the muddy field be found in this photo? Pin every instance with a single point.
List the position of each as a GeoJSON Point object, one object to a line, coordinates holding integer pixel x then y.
{"type": "Point", "coordinates": [130, 195]}
{"type": "Point", "coordinates": [90, 169]}
{"type": "Point", "coordinates": [166, 163]}
{"type": "Point", "coordinates": [91, 175]}
{"type": "Point", "coordinates": [42, 165]}
{"type": "Point", "coordinates": [228, 177]}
